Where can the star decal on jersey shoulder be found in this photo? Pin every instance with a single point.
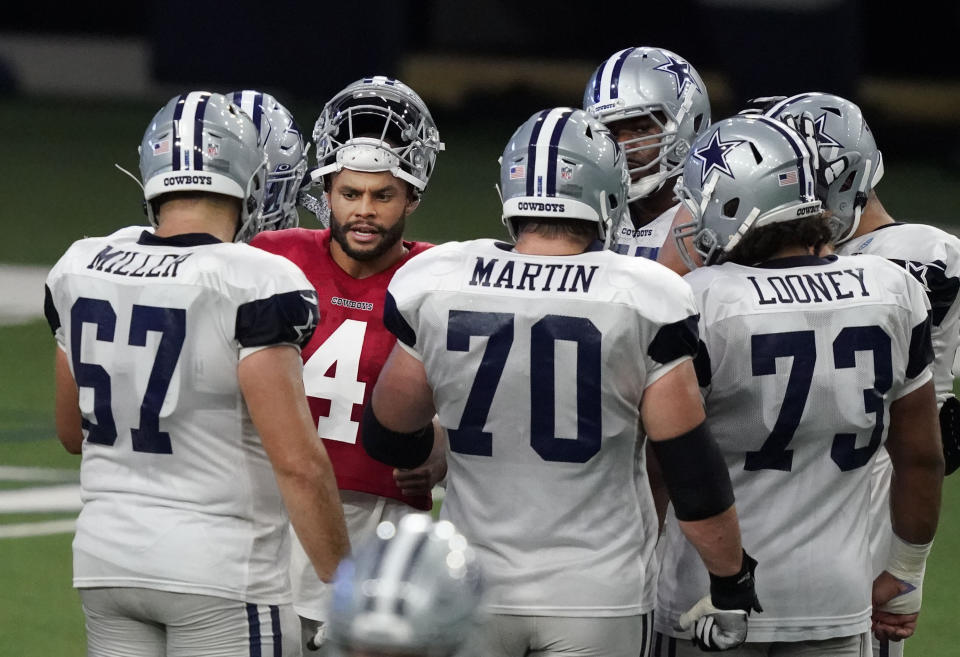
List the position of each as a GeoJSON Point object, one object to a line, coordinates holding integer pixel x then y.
{"type": "Point", "coordinates": [820, 131]}
{"type": "Point", "coordinates": [713, 156]}
{"type": "Point", "coordinates": [681, 74]}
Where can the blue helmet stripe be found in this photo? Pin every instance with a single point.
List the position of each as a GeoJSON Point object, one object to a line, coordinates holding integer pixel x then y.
{"type": "Point", "coordinates": [177, 113]}
{"type": "Point", "coordinates": [794, 140]}
{"type": "Point", "coordinates": [198, 132]}
{"type": "Point", "coordinates": [615, 77]}
{"type": "Point", "coordinates": [257, 110]}
{"type": "Point", "coordinates": [553, 163]}
{"type": "Point", "coordinates": [532, 151]}
{"type": "Point", "coordinates": [778, 109]}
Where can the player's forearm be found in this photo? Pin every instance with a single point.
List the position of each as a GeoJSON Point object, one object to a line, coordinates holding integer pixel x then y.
{"type": "Point", "coordinates": [915, 500]}
{"type": "Point", "coordinates": [717, 540]}
{"type": "Point", "coordinates": [917, 456]}
{"type": "Point", "coordinates": [316, 513]}
{"type": "Point", "coordinates": [273, 390]}
{"type": "Point", "coordinates": [67, 406]}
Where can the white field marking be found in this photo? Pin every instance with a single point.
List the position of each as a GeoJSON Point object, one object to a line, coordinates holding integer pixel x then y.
{"type": "Point", "coordinates": [44, 499]}
{"type": "Point", "coordinates": [49, 528]}
{"type": "Point", "coordinates": [14, 473]}
{"type": "Point", "coordinates": [21, 293]}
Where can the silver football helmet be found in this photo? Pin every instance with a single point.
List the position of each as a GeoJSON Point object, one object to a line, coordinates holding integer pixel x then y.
{"type": "Point", "coordinates": [846, 143]}
{"type": "Point", "coordinates": [200, 141]}
{"type": "Point", "coordinates": [647, 82]}
{"type": "Point", "coordinates": [414, 588]}
{"type": "Point", "coordinates": [742, 174]}
{"type": "Point", "coordinates": [286, 152]}
{"type": "Point", "coordinates": [377, 124]}
{"type": "Point", "coordinates": [563, 163]}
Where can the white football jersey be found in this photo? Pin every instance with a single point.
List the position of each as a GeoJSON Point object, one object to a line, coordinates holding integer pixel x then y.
{"type": "Point", "coordinates": [932, 256]}
{"type": "Point", "coordinates": [643, 242]}
{"type": "Point", "coordinates": [178, 492]}
{"type": "Point", "coordinates": [802, 360]}
{"type": "Point", "coordinates": [538, 365]}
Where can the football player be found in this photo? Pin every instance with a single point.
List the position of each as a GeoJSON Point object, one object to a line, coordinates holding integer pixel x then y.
{"type": "Point", "coordinates": [809, 364]}
{"type": "Point", "coordinates": [178, 378]}
{"type": "Point", "coordinates": [656, 104]}
{"type": "Point", "coordinates": [541, 358]}
{"type": "Point", "coordinates": [854, 165]}
{"type": "Point", "coordinates": [376, 149]}
{"type": "Point", "coordinates": [413, 589]}
{"type": "Point", "coordinates": [286, 152]}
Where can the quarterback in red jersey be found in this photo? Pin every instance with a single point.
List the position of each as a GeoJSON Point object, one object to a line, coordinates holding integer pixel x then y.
{"type": "Point", "coordinates": [376, 147]}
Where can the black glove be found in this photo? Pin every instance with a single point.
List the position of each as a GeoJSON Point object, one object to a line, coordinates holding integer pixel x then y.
{"type": "Point", "coordinates": [950, 434]}
{"type": "Point", "coordinates": [719, 621]}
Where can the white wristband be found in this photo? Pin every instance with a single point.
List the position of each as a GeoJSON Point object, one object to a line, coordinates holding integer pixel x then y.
{"type": "Point", "coordinates": [907, 562]}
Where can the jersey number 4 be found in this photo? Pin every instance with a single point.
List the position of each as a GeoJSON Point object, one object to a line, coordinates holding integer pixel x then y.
{"type": "Point", "coordinates": [801, 347]}
{"type": "Point", "coordinates": [171, 324]}
{"type": "Point", "coordinates": [470, 437]}
{"type": "Point", "coordinates": [341, 353]}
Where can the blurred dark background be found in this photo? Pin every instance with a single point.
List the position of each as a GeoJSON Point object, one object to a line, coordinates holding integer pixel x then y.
{"type": "Point", "coordinates": [77, 86]}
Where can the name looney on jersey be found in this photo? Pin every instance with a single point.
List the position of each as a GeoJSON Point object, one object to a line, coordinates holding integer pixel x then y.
{"type": "Point", "coordinates": [136, 263]}
{"type": "Point", "coordinates": [816, 287]}
{"type": "Point", "coordinates": [533, 276]}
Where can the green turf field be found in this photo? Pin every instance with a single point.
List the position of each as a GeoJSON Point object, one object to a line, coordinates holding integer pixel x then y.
{"type": "Point", "coordinates": [58, 184]}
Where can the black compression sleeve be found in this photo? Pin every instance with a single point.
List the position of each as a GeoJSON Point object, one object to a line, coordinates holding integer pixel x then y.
{"type": "Point", "coordinates": [401, 450]}
{"type": "Point", "coordinates": [695, 474]}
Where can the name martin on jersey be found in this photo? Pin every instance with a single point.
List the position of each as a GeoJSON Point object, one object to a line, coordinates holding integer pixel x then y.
{"type": "Point", "coordinates": [136, 263]}
{"type": "Point", "coordinates": [815, 287]}
{"type": "Point", "coordinates": [533, 276]}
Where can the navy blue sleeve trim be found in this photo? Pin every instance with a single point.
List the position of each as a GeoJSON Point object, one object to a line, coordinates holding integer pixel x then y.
{"type": "Point", "coordinates": [50, 310]}
{"type": "Point", "coordinates": [921, 348]}
{"type": "Point", "coordinates": [941, 289]}
{"type": "Point", "coordinates": [396, 324]}
{"type": "Point", "coordinates": [675, 340]}
{"type": "Point", "coordinates": [701, 363]}
{"type": "Point", "coordinates": [281, 318]}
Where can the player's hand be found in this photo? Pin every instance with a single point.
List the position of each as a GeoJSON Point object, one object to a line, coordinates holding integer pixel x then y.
{"type": "Point", "coordinates": [421, 480]}
{"type": "Point", "coordinates": [893, 627]}
{"type": "Point", "coordinates": [886, 624]}
{"type": "Point", "coordinates": [714, 629]}
{"type": "Point", "coordinates": [719, 621]}
{"type": "Point", "coordinates": [893, 604]}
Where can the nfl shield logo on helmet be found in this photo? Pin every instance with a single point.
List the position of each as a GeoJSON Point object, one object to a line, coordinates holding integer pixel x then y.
{"type": "Point", "coordinates": [161, 147]}
{"type": "Point", "coordinates": [213, 148]}
{"type": "Point", "coordinates": [566, 172]}
{"type": "Point", "coordinates": [517, 171]}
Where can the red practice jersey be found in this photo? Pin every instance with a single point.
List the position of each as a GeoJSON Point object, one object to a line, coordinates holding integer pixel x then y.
{"type": "Point", "coordinates": [342, 361]}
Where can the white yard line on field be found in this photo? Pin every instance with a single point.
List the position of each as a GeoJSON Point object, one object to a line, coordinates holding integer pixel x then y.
{"type": "Point", "coordinates": [21, 293]}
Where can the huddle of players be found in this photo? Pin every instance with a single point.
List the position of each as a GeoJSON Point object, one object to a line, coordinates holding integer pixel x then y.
{"type": "Point", "coordinates": [792, 346]}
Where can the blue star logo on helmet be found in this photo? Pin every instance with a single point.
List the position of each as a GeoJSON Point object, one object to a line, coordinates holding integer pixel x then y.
{"type": "Point", "coordinates": [823, 139]}
{"type": "Point", "coordinates": [680, 70]}
{"type": "Point", "coordinates": [713, 156]}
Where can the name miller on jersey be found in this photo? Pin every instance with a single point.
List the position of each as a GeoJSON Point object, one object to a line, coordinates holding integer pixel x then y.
{"type": "Point", "coordinates": [815, 287]}
{"type": "Point", "coordinates": [532, 276]}
{"type": "Point", "coordinates": [122, 263]}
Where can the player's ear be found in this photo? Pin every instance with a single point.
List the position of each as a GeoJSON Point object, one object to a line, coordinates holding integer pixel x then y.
{"type": "Point", "coordinates": [412, 204]}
